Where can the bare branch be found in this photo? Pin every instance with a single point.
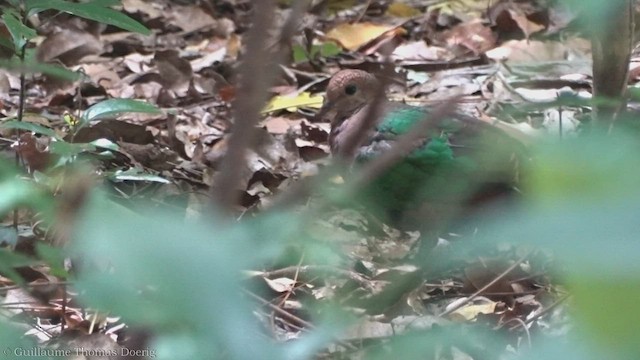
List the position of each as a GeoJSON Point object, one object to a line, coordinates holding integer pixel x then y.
{"type": "Point", "coordinates": [258, 70]}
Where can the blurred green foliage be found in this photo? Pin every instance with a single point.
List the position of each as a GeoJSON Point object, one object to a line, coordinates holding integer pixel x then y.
{"type": "Point", "coordinates": [324, 50]}
{"type": "Point", "coordinates": [183, 278]}
{"type": "Point", "coordinates": [584, 205]}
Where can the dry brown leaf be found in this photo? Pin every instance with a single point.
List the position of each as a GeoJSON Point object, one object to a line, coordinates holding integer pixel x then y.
{"type": "Point", "coordinates": [5, 85]}
{"type": "Point", "coordinates": [102, 74]}
{"type": "Point", "coordinates": [474, 35]}
{"type": "Point", "coordinates": [279, 124]}
{"type": "Point", "coordinates": [527, 26]}
{"type": "Point", "coordinates": [175, 71]}
{"type": "Point", "coordinates": [190, 18]}
{"type": "Point", "coordinates": [68, 46]}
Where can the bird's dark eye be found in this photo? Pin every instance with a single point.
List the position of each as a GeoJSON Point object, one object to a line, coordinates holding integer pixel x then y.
{"type": "Point", "coordinates": [350, 89]}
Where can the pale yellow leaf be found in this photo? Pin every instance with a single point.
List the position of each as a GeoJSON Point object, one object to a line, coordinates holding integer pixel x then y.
{"type": "Point", "coordinates": [471, 311]}
{"type": "Point", "coordinates": [352, 36]}
{"type": "Point", "coordinates": [292, 103]}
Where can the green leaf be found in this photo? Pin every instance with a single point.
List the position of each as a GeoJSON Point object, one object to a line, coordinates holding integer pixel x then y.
{"type": "Point", "coordinates": [64, 148]}
{"type": "Point", "coordinates": [15, 345]}
{"type": "Point", "coordinates": [633, 93]}
{"type": "Point", "coordinates": [19, 32]}
{"type": "Point", "coordinates": [9, 261]}
{"type": "Point", "coordinates": [105, 3]}
{"type": "Point", "coordinates": [54, 257]}
{"type": "Point", "coordinates": [113, 107]}
{"type": "Point", "coordinates": [16, 192]}
{"type": "Point", "coordinates": [614, 329]}
{"type": "Point", "coordinates": [14, 3]}
{"type": "Point", "coordinates": [23, 125]}
{"type": "Point", "coordinates": [29, 67]}
{"type": "Point", "coordinates": [584, 205]}
{"type": "Point", "coordinates": [326, 49]}
{"type": "Point", "coordinates": [299, 54]}
{"type": "Point", "coordinates": [137, 175]}
{"type": "Point", "coordinates": [95, 10]}
{"type": "Point", "coordinates": [594, 13]}
{"type": "Point", "coordinates": [8, 235]}
{"type": "Point", "coordinates": [158, 263]}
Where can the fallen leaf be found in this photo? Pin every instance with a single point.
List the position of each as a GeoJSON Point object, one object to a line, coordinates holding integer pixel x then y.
{"type": "Point", "coordinates": [68, 46]}
{"type": "Point", "coordinates": [398, 9]}
{"type": "Point", "coordinates": [191, 18]}
{"type": "Point", "coordinates": [322, 50]}
{"type": "Point", "coordinates": [279, 125]}
{"type": "Point", "coordinates": [527, 26]}
{"type": "Point", "coordinates": [531, 51]}
{"type": "Point", "coordinates": [175, 71]}
{"type": "Point", "coordinates": [471, 311]}
{"type": "Point", "coordinates": [292, 103]}
{"type": "Point", "coordinates": [352, 36]}
{"type": "Point", "coordinates": [281, 284]}
{"type": "Point", "coordinates": [473, 35]}
{"type": "Point", "coordinates": [419, 50]}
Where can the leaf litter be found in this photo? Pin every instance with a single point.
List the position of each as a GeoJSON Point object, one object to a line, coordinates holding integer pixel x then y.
{"type": "Point", "coordinates": [497, 58]}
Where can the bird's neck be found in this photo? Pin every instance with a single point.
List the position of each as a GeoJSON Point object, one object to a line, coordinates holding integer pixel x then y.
{"type": "Point", "coordinates": [347, 129]}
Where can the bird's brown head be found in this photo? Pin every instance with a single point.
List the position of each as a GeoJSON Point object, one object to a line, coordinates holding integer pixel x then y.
{"type": "Point", "coordinates": [347, 92]}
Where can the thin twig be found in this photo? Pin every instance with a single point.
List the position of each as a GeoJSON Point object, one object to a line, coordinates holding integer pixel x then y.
{"type": "Point", "coordinates": [292, 270]}
{"type": "Point", "coordinates": [289, 316]}
{"type": "Point", "coordinates": [520, 323]}
{"type": "Point", "coordinates": [21, 102]}
{"type": "Point", "coordinates": [280, 311]}
{"type": "Point", "coordinates": [484, 288]}
{"type": "Point", "coordinates": [295, 280]}
{"type": "Point", "coordinates": [364, 11]}
{"type": "Point", "coordinates": [547, 309]}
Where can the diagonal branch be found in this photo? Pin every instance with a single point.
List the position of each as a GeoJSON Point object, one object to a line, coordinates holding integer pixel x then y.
{"type": "Point", "coordinates": [258, 70]}
{"type": "Point", "coordinates": [404, 144]}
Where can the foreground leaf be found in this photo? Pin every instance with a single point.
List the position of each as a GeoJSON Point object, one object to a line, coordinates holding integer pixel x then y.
{"type": "Point", "coordinates": [112, 107]}
{"type": "Point", "coordinates": [91, 11]}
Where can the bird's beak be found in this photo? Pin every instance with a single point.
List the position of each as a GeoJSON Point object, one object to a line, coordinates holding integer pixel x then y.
{"type": "Point", "coordinates": [325, 111]}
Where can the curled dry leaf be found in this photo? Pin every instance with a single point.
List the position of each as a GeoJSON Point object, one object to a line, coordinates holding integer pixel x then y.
{"type": "Point", "coordinates": [69, 46]}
